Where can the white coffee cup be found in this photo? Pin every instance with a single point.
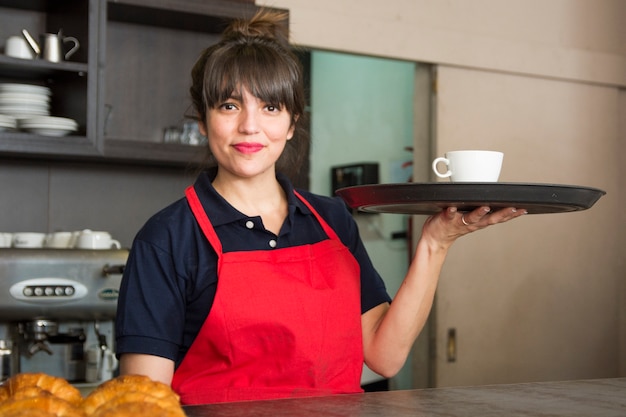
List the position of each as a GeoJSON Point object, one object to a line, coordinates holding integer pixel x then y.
{"type": "Point", "coordinates": [89, 239]}
{"type": "Point", "coordinates": [470, 166]}
{"type": "Point", "coordinates": [58, 240]}
{"type": "Point", "coordinates": [28, 240]}
{"type": "Point", "coordinates": [74, 239]}
{"type": "Point", "coordinates": [17, 47]}
{"type": "Point", "coordinates": [6, 240]}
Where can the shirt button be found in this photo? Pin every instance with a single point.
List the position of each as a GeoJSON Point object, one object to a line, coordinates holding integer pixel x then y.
{"type": "Point", "coordinates": [250, 224]}
{"type": "Point", "coordinates": [272, 243]}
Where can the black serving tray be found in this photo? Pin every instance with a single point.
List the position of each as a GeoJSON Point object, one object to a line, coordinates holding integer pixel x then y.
{"type": "Point", "coordinates": [431, 198]}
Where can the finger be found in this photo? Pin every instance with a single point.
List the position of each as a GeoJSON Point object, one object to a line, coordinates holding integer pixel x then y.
{"type": "Point", "coordinates": [505, 214]}
{"type": "Point", "coordinates": [451, 213]}
{"type": "Point", "coordinates": [475, 216]}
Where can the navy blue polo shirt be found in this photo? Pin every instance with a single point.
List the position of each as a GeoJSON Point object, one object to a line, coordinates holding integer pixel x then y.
{"type": "Point", "coordinates": [170, 278]}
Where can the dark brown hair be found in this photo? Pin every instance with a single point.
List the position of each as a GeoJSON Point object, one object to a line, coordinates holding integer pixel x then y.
{"type": "Point", "coordinates": [255, 54]}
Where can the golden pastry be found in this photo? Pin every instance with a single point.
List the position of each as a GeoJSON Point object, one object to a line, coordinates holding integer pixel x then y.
{"type": "Point", "coordinates": [132, 409]}
{"type": "Point", "coordinates": [43, 403]}
{"type": "Point", "coordinates": [132, 388]}
{"type": "Point", "coordinates": [29, 412]}
{"type": "Point", "coordinates": [4, 392]}
{"type": "Point", "coordinates": [56, 386]}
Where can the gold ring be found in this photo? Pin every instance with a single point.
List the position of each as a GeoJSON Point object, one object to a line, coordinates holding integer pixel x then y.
{"type": "Point", "coordinates": [463, 220]}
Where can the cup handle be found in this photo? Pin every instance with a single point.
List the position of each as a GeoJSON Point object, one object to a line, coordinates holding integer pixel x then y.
{"type": "Point", "coordinates": [74, 48]}
{"type": "Point", "coordinates": [115, 244]}
{"type": "Point", "coordinates": [112, 361]}
{"type": "Point", "coordinates": [445, 161]}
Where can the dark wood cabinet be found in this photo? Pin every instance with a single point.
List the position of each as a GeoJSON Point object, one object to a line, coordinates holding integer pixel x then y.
{"type": "Point", "coordinates": [128, 81]}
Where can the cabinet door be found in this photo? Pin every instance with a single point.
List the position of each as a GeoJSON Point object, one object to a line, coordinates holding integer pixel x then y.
{"type": "Point", "coordinates": [70, 82]}
{"type": "Point", "coordinates": [534, 299]}
{"type": "Point", "coordinates": [149, 48]}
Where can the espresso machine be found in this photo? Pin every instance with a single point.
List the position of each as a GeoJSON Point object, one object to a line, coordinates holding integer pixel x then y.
{"type": "Point", "coordinates": [57, 310]}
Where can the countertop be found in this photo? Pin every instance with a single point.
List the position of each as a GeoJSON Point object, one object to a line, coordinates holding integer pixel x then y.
{"type": "Point", "coordinates": [584, 398]}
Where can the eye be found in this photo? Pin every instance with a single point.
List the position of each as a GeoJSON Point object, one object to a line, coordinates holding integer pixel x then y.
{"type": "Point", "coordinates": [273, 108]}
{"type": "Point", "coordinates": [228, 106]}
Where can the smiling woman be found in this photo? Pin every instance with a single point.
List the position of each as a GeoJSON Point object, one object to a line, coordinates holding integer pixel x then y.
{"type": "Point", "coordinates": [247, 135]}
{"type": "Point", "coordinates": [270, 73]}
{"type": "Point", "coordinates": [248, 288]}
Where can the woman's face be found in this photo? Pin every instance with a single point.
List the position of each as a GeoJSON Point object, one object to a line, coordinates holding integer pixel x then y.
{"type": "Point", "coordinates": [246, 135]}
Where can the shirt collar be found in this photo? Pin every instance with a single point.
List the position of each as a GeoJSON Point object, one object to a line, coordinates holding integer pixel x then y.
{"type": "Point", "coordinates": [221, 212]}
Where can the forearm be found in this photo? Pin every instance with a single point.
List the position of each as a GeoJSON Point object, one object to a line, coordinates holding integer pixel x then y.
{"type": "Point", "coordinates": [155, 367]}
{"type": "Point", "coordinates": [389, 334]}
{"type": "Point", "coordinates": [395, 331]}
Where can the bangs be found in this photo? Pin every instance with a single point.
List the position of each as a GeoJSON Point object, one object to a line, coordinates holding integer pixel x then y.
{"type": "Point", "coordinates": [265, 72]}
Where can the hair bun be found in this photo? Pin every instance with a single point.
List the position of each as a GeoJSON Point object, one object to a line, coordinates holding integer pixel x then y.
{"type": "Point", "coordinates": [265, 24]}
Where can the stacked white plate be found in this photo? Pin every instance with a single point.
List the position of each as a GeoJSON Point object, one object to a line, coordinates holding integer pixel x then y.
{"type": "Point", "coordinates": [24, 100]}
{"type": "Point", "coordinates": [48, 125]}
{"type": "Point", "coordinates": [7, 123]}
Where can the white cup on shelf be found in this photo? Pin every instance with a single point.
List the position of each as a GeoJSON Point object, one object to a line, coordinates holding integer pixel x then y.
{"type": "Point", "coordinates": [17, 47]}
{"type": "Point", "coordinates": [90, 239]}
{"type": "Point", "coordinates": [28, 240]}
{"type": "Point", "coordinates": [58, 240]}
{"type": "Point", "coordinates": [6, 240]}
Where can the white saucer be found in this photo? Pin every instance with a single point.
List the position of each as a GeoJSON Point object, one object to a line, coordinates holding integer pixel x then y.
{"type": "Point", "coordinates": [24, 100]}
{"type": "Point", "coordinates": [47, 121]}
{"type": "Point", "coordinates": [24, 113]}
{"type": "Point", "coordinates": [24, 88]}
{"type": "Point", "coordinates": [50, 131]}
{"type": "Point", "coordinates": [16, 107]}
{"type": "Point", "coordinates": [6, 119]}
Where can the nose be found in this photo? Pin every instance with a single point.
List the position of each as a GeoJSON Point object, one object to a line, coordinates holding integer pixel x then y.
{"type": "Point", "coordinates": [249, 122]}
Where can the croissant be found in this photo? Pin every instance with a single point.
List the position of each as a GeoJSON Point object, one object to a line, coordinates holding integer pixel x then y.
{"type": "Point", "coordinates": [41, 395]}
{"type": "Point", "coordinates": [46, 403]}
{"type": "Point", "coordinates": [56, 386]}
{"type": "Point", "coordinates": [133, 409]}
{"type": "Point", "coordinates": [28, 392]}
{"type": "Point", "coordinates": [29, 412]}
{"type": "Point", "coordinates": [132, 388]}
{"type": "Point", "coordinates": [4, 393]}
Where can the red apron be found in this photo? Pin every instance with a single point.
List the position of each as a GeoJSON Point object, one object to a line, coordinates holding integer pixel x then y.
{"type": "Point", "coordinates": [284, 323]}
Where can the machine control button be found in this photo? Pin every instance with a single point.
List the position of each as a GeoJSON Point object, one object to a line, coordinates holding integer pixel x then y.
{"type": "Point", "coordinates": [48, 290]}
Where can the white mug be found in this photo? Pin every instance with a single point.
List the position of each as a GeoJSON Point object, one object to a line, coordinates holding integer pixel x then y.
{"type": "Point", "coordinates": [28, 240]}
{"type": "Point", "coordinates": [6, 240]}
{"type": "Point", "coordinates": [89, 239]}
{"type": "Point", "coordinates": [58, 240]}
{"type": "Point", "coordinates": [17, 47]}
{"type": "Point", "coordinates": [470, 166]}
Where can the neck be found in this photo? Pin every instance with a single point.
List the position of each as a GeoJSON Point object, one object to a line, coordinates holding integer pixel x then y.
{"type": "Point", "coordinates": [258, 196]}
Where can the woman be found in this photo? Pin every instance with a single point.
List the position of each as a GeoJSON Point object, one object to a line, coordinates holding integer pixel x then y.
{"type": "Point", "coordinates": [248, 289]}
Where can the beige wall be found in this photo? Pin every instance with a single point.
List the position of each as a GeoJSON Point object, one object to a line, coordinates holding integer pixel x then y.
{"type": "Point", "coordinates": [535, 79]}
{"type": "Point", "coordinates": [621, 276]}
{"type": "Point", "coordinates": [573, 39]}
{"type": "Point", "coordinates": [535, 299]}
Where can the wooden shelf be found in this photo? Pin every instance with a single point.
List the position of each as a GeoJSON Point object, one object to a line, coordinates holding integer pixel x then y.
{"type": "Point", "coordinates": [134, 58]}
{"type": "Point", "coordinates": [121, 150]}
{"type": "Point", "coordinates": [38, 68]}
{"type": "Point", "coordinates": [27, 144]}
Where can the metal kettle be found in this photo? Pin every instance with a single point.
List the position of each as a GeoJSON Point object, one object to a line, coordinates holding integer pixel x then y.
{"type": "Point", "coordinates": [51, 47]}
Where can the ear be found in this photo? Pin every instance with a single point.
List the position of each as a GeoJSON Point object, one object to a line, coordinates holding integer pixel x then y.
{"type": "Point", "coordinates": [291, 131]}
{"type": "Point", "coordinates": [202, 128]}
{"type": "Point", "coordinates": [292, 128]}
